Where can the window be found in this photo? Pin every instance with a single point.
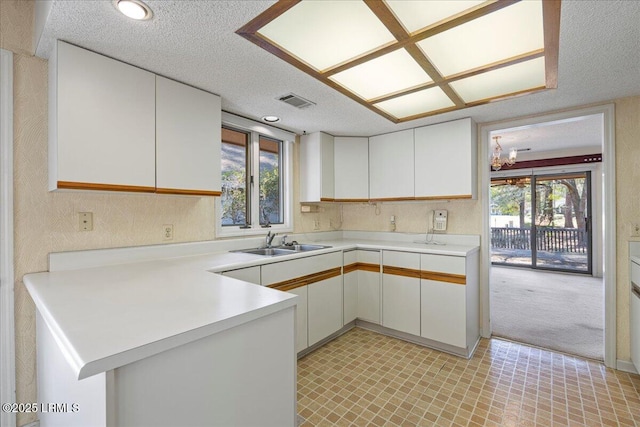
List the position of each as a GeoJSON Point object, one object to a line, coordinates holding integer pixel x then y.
{"type": "Point", "coordinates": [255, 178]}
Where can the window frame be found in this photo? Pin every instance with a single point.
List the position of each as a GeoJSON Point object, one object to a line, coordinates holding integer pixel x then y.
{"type": "Point", "coordinates": [255, 130]}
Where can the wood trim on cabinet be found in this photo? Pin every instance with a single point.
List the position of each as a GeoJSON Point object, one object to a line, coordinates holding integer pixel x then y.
{"type": "Point", "coordinates": [458, 279]}
{"type": "Point", "coordinates": [351, 200]}
{"type": "Point", "coordinates": [392, 199]}
{"type": "Point", "coordinates": [327, 199]}
{"type": "Point", "coordinates": [69, 185]}
{"type": "Point", "coordinates": [401, 271]}
{"type": "Point", "coordinates": [459, 196]}
{"type": "Point", "coordinates": [298, 282]}
{"type": "Point", "coordinates": [361, 266]}
{"type": "Point", "coordinates": [188, 192]}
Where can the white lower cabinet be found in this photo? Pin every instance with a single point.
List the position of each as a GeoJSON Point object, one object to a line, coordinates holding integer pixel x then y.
{"type": "Point", "coordinates": [302, 327]}
{"type": "Point", "coordinates": [324, 308]}
{"type": "Point", "coordinates": [368, 276]}
{"type": "Point", "coordinates": [401, 291]}
{"type": "Point", "coordinates": [248, 274]}
{"type": "Point", "coordinates": [317, 280]}
{"type": "Point", "coordinates": [350, 286]}
{"type": "Point", "coordinates": [449, 299]}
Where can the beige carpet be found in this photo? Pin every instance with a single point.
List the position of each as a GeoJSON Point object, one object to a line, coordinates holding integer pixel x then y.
{"type": "Point", "coordinates": [558, 311]}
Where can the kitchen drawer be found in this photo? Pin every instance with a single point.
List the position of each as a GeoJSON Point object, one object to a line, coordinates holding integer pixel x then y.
{"type": "Point", "coordinates": [286, 270]}
{"type": "Point", "coordinates": [443, 263]}
{"type": "Point", "coordinates": [406, 260]}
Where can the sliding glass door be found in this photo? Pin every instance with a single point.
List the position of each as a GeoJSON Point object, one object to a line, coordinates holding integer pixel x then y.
{"type": "Point", "coordinates": [542, 221]}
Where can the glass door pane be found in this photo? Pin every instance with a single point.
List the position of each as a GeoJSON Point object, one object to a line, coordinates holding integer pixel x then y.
{"type": "Point", "coordinates": [511, 221]}
{"type": "Point", "coordinates": [561, 222]}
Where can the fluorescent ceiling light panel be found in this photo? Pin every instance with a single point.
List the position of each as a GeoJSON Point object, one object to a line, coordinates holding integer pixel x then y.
{"type": "Point", "coordinates": [411, 59]}
{"type": "Point", "coordinates": [327, 33]}
{"type": "Point", "coordinates": [508, 80]}
{"type": "Point", "coordinates": [416, 15]}
{"type": "Point", "coordinates": [416, 103]}
{"type": "Point", "coordinates": [387, 74]}
{"type": "Point", "coordinates": [504, 34]}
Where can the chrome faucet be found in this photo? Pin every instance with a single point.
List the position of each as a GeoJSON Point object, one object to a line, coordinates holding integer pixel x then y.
{"type": "Point", "coordinates": [283, 240]}
{"type": "Point", "coordinates": [269, 238]}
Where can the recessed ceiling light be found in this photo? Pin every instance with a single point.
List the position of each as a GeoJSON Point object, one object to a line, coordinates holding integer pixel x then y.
{"type": "Point", "coordinates": [271, 119]}
{"type": "Point", "coordinates": [134, 9]}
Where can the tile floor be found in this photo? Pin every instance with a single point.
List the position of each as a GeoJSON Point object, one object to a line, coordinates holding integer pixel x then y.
{"type": "Point", "coordinates": [366, 379]}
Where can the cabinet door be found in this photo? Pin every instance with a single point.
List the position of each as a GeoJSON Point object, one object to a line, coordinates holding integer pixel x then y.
{"type": "Point", "coordinates": [102, 123]}
{"type": "Point", "coordinates": [249, 274]}
{"type": "Point", "coordinates": [401, 291]}
{"type": "Point", "coordinates": [350, 287]}
{"type": "Point", "coordinates": [391, 164]}
{"type": "Point", "coordinates": [324, 308]}
{"type": "Point", "coordinates": [444, 304]}
{"type": "Point", "coordinates": [351, 163]}
{"type": "Point", "coordinates": [443, 312]}
{"type": "Point", "coordinates": [316, 167]}
{"type": "Point", "coordinates": [188, 123]}
{"type": "Point", "coordinates": [438, 148]}
{"type": "Point", "coordinates": [369, 287]}
{"type": "Point", "coordinates": [301, 318]}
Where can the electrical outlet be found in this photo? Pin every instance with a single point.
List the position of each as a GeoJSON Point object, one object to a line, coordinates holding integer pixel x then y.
{"type": "Point", "coordinates": [316, 224]}
{"type": "Point", "coordinates": [85, 220]}
{"type": "Point", "coordinates": [167, 232]}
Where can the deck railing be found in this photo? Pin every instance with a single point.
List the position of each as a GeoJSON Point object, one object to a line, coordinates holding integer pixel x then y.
{"type": "Point", "coordinates": [547, 239]}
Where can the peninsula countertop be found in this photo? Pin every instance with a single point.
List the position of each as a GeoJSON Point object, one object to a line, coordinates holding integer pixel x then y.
{"type": "Point", "coordinates": [108, 316]}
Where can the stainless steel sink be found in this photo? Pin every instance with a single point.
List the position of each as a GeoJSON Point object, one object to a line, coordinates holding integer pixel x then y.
{"type": "Point", "coordinates": [302, 248]}
{"type": "Point", "coordinates": [281, 250]}
{"type": "Point", "coordinates": [265, 251]}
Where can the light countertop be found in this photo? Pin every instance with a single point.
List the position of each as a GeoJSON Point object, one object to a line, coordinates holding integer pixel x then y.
{"type": "Point", "coordinates": [108, 316]}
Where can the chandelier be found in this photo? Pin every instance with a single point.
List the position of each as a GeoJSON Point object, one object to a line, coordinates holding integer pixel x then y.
{"type": "Point", "coordinates": [497, 161]}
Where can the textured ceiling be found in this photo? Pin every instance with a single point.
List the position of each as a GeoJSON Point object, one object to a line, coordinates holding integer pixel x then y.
{"type": "Point", "coordinates": [585, 133]}
{"type": "Point", "coordinates": [195, 42]}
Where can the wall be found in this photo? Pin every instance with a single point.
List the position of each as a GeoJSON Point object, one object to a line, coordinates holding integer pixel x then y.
{"type": "Point", "coordinates": [464, 216]}
{"type": "Point", "coordinates": [627, 209]}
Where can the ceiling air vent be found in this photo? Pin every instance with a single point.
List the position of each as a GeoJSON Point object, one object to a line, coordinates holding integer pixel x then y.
{"type": "Point", "coordinates": [296, 101]}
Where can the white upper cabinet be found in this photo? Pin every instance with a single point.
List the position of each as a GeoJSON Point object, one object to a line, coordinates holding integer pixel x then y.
{"type": "Point", "coordinates": [391, 163]}
{"type": "Point", "coordinates": [351, 163]}
{"type": "Point", "coordinates": [187, 139]}
{"type": "Point", "coordinates": [101, 123]}
{"type": "Point", "coordinates": [115, 127]}
{"type": "Point", "coordinates": [446, 160]}
{"type": "Point", "coordinates": [316, 168]}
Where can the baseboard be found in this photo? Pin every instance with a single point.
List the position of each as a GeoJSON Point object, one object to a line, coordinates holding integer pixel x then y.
{"type": "Point", "coordinates": [626, 366]}
{"type": "Point", "coordinates": [425, 342]}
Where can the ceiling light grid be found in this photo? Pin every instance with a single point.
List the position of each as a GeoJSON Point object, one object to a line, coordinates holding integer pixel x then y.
{"type": "Point", "coordinates": [411, 59]}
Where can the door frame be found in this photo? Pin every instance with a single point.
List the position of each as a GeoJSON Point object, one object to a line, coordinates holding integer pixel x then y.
{"type": "Point", "coordinates": [7, 331]}
{"type": "Point", "coordinates": [608, 211]}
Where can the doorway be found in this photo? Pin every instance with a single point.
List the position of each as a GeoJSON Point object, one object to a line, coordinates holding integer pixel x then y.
{"type": "Point", "coordinates": [604, 249]}
{"type": "Point", "coordinates": [542, 221]}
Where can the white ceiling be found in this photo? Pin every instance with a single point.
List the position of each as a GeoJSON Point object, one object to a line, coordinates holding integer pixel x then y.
{"type": "Point", "coordinates": [584, 133]}
{"type": "Point", "coordinates": [195, 42]}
